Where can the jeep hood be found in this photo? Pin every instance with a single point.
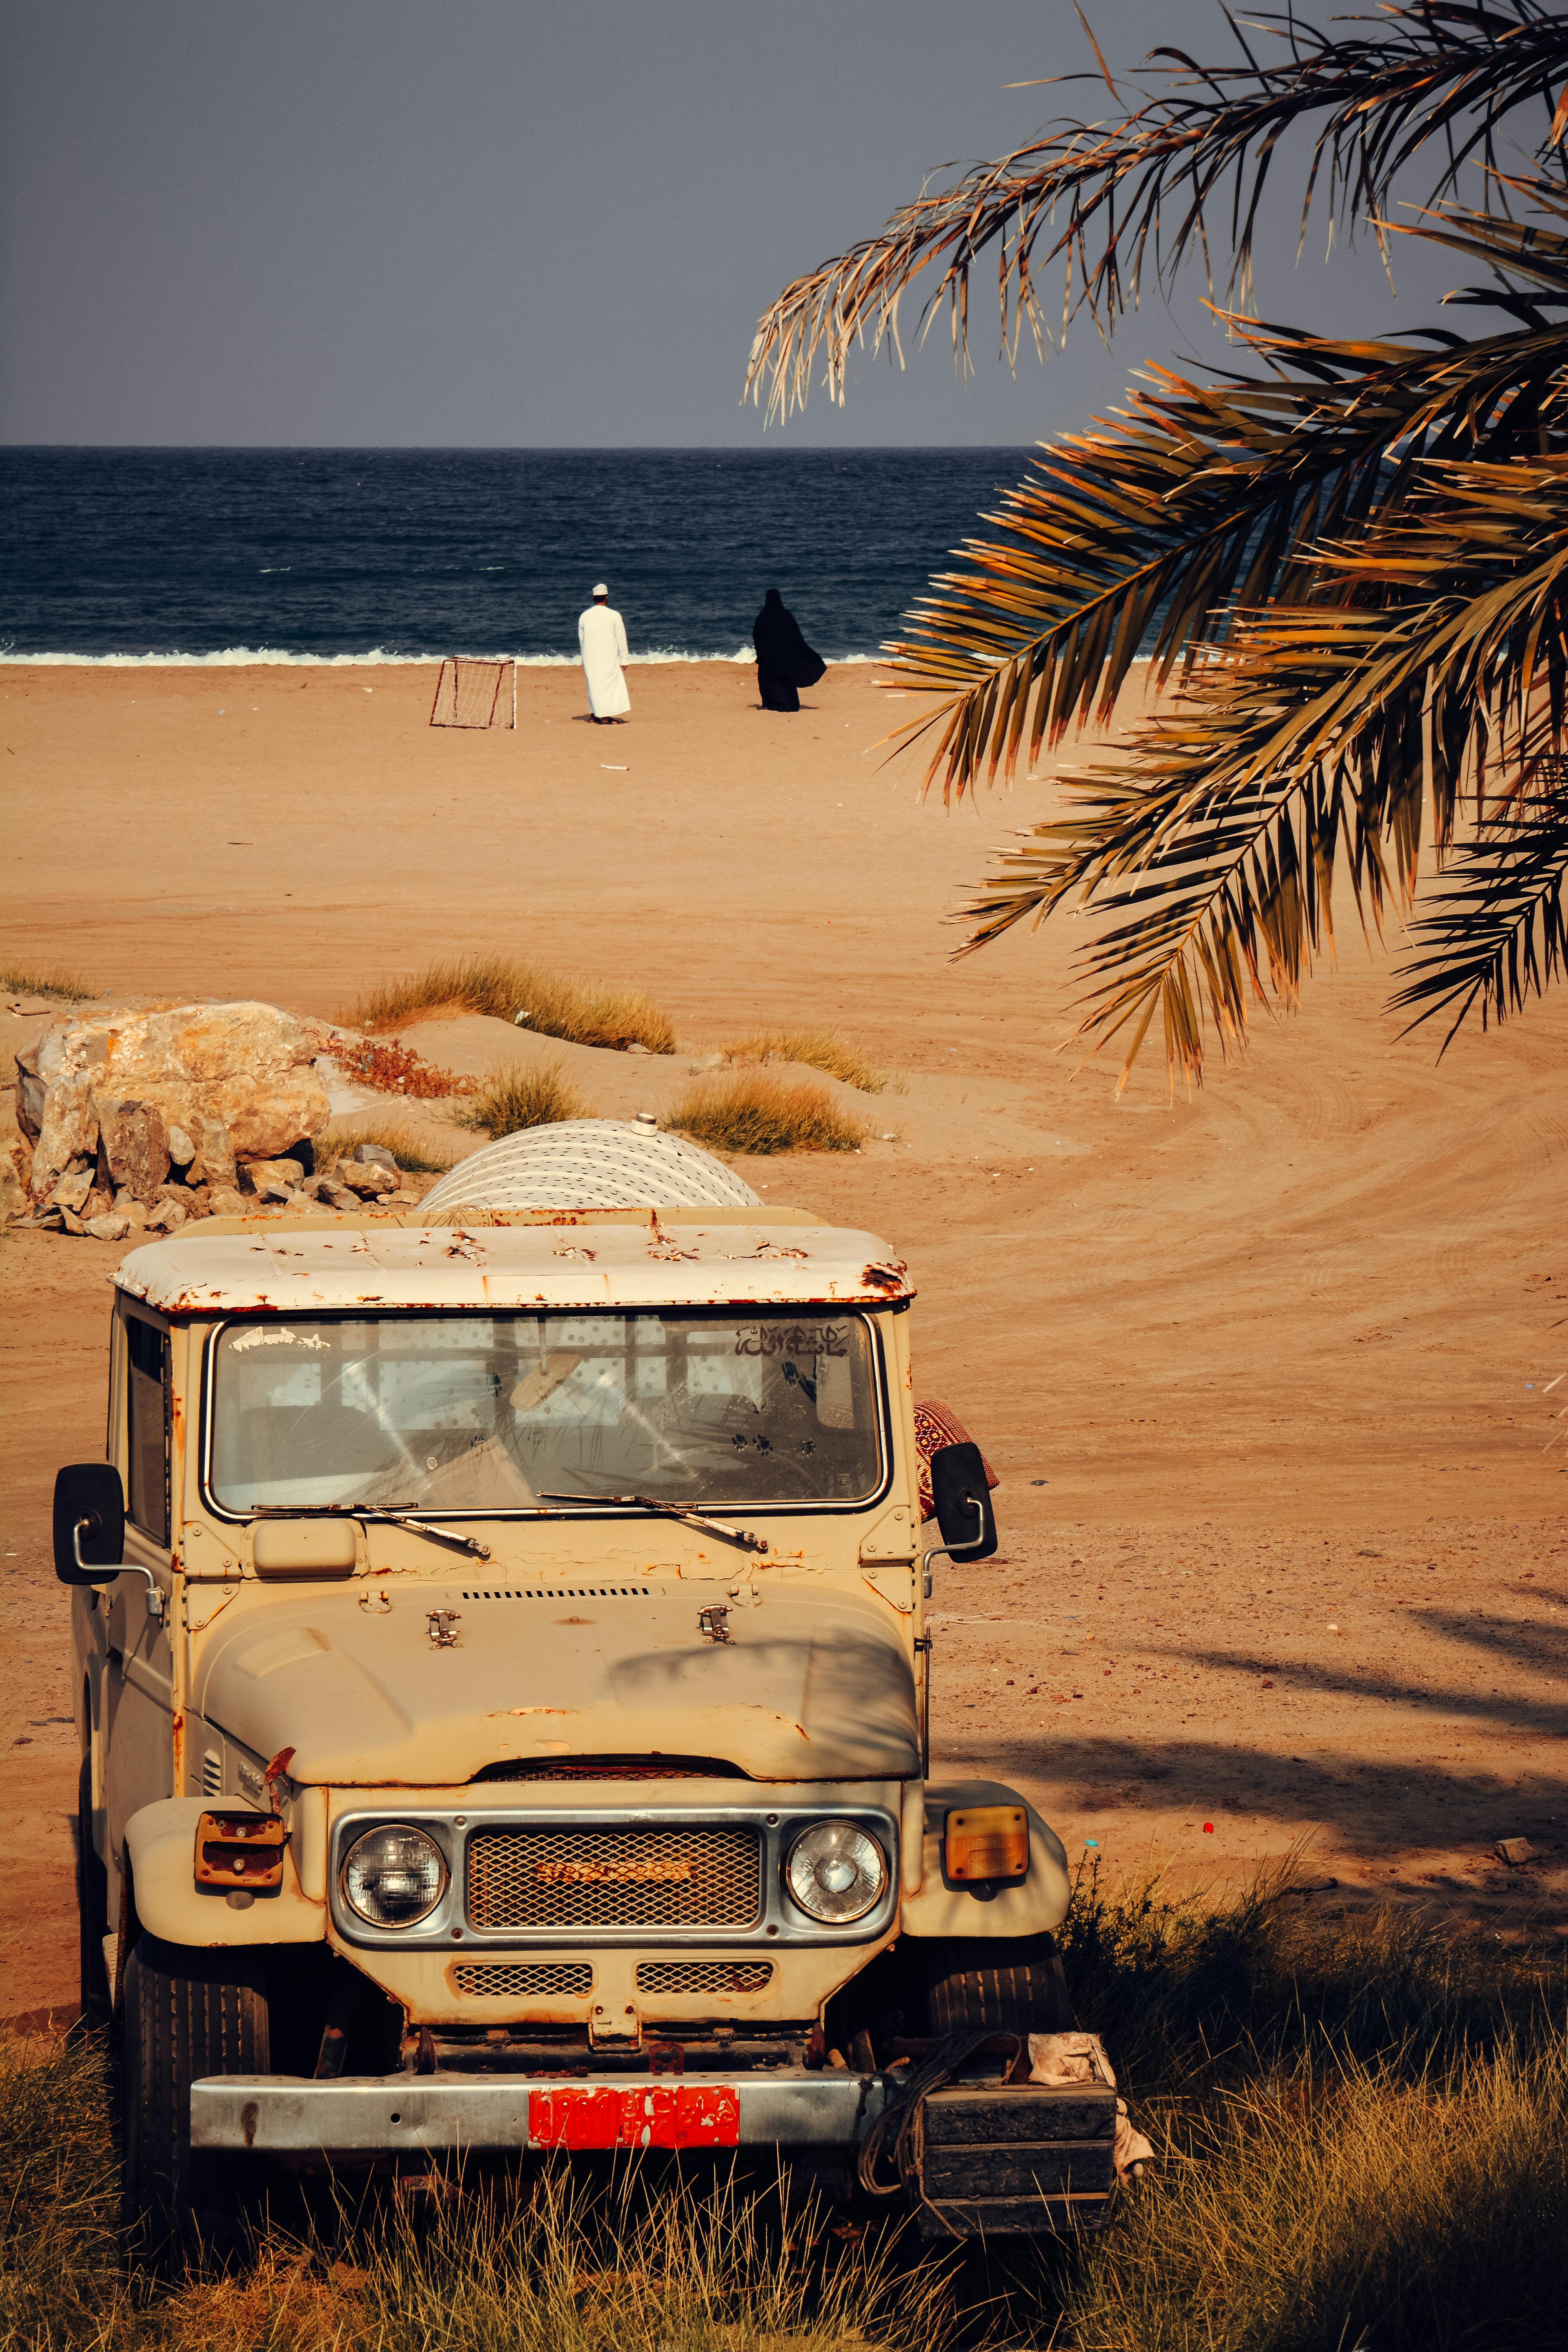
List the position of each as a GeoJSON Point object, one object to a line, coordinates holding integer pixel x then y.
{"type": "Point", "coordinates": [810, 1685]}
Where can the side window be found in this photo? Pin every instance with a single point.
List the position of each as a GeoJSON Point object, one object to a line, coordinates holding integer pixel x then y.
{"type": "Point", "coordinates": [148, 1384]}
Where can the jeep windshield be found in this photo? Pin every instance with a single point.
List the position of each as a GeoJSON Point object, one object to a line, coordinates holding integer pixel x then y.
{"type": "Point", "coordinates": [471, 1413]}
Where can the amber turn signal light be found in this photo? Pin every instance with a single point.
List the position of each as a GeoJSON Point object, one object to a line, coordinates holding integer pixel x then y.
{"type": "Point", "coordinates": [987, 1842]}
{"type": "Point", "coordinates": [240, 1850]}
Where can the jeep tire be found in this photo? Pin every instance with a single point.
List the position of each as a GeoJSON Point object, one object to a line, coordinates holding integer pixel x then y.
{"type": "Point", "coordinates": [1011, 1984]}
{"type": "Point", "coordinates": [187, 2014]}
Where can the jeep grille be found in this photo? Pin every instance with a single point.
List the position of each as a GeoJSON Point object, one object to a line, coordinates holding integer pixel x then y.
{"type": "Point", "coordinates": [636, 1876]}
{"type": "Point", "coordinates": [704, 1975]}
{"type": "Point", "coordinates": [526, 1981]}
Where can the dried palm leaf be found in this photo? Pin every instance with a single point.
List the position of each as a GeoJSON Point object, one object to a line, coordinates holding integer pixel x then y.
{"type": "Point", "coordinates": [1435, 682]}
{"type": "Point", "coordinates": [1143, 536]}
{"type": "Point", "coordinates": [1108, 201]}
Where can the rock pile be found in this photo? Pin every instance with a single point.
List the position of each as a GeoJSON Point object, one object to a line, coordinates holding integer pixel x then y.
{"type": "Point", "coordinates": [149, 1119]}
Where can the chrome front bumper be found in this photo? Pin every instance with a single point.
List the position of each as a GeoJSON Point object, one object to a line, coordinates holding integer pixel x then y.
{"type": "Point", "coordinates": [414, 2114]}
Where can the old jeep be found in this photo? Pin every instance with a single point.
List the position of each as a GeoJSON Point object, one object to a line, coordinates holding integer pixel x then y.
{"type": "Point", "coordinates": [503, 1692]}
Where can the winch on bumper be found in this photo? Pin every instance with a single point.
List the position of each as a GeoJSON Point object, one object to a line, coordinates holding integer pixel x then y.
{"type": "Point", "coordinates": [999, 2155]}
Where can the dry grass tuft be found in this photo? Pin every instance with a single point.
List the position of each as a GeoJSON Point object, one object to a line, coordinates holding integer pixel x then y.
{"type": "Point", "coordinates": [754, 1112]}
{"type": "Point", "coordinates": [1339, 2202]}
{"type": "Point", "coordinates": [1362, 2137]}
{"type": "Point", "coordinates": [1362, 2126]}
{"type": "Point", "coordinates": [533, 2263]}
{"type": "Point", "coordinates": [817, 1049]}
{"type": "Point", "coordinates": [524, 1095]}
{"type": "Point", "coordinates": [413, 1147]}
{"type": "Point", "coordinates": [580, 1013]}
{"type": "Point", "coordinates": [15, 980]}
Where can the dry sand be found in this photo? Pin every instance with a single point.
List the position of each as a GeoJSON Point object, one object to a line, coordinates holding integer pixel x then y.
{"type": "Point", "coordinates": [1263, 1374]}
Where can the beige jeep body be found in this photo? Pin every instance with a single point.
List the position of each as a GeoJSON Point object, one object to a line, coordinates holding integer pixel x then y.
{"type": "Point", "coordinates": [612, 1722]}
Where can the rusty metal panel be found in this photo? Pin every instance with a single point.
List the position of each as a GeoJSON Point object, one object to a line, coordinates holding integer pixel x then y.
{"type": "Point", "coordinates": [303, 1266]}
{"type": "Point", "coordinates": [407, 2113]}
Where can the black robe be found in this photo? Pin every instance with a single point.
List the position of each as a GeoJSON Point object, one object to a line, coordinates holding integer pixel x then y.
{"type": "Point", "coordinates": [784, 661]}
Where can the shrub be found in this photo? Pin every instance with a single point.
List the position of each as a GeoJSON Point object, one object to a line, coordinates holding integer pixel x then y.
{"type": "Point", "coordinates": [582, 1013]}
{"type": "Point", "coordinates": [394, 1068]}
{"type": "Point", "coordinates": [818, 1049]}
{"type": "Point", "coordinates": [754, 1112]}
{"type": "Point", "coordinates": [522, 1095]}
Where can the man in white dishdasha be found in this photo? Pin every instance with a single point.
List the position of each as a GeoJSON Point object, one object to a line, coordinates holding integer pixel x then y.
{"type": "Point", "coordinates": [602, 641]}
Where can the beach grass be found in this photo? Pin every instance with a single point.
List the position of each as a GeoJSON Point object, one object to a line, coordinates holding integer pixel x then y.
{"type": "Point", "coordinates": [19, 979]}
{"type": "Point", "coordinates": [581, 1012]}
{"type": "Point", "coordinates": [537, 1094]}
{"type": "Point", "coordinates": [417, 1148]}
{"type": "Point", "coordinates": [1360, 2125]}
{"type": "Point", "coordinates": [750, 1110]}
{"type": "Point", "coordinates": [557, 2264]}
{"type": "Point", "coordinates": [817, 1049]}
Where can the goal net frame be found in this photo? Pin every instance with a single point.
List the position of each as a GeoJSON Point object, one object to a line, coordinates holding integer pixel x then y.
{"type": "Point", "coordinates": [475, 693]}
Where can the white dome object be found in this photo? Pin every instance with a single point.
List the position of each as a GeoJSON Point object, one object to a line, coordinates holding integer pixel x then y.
{"type": "Point", "coordinates": [590, 1163]}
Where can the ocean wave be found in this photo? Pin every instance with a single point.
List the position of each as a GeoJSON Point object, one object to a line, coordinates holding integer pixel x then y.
{"type": "Point", "coordinates": [272, 658]}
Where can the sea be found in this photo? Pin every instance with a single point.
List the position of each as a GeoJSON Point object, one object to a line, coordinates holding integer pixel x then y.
{"type": "Point", "coordinates": [324, 555]}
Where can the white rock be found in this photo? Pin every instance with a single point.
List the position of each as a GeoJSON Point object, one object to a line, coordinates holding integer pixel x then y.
{"type": "Point", "coordinates": [233, 1079]}
{"type": "Point", "coordinates": [357, 1177]}
{"type": "Point", "coordinates": [274, 1180]}
{"type": "Point", "coordinates": [73, 1188]}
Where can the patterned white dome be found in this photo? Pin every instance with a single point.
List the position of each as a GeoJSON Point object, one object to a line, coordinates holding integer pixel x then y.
{"type": "Point", "coordinates": [591, 1164]}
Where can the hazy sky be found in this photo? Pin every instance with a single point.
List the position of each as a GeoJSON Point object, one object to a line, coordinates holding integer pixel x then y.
{"type": "Point", "coordinates": [369, 222]}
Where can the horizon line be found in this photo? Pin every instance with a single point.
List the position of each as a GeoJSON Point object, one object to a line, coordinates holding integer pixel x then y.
{"type": "Point", "coordinates": [499, 449]}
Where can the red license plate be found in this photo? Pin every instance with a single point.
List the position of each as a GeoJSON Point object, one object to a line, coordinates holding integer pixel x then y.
{"type": "Point", "coordinates": [654, 2115]}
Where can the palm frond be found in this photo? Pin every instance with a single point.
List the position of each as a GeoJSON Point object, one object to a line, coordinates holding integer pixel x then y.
{"type": "Point", "coordinates": [1146, 533]}
{"type": "Point", "coordinates": [1496, 935]}
{"type": "Point", "coordinates": [1108, 201]}
{"type": "Point", "coordinates": [1439, 677]}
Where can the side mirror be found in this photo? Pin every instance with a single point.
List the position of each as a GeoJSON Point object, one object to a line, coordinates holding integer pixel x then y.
{"type": "Point", "coordinates": [963, 1500]}
{"type": "Point", "coordinates": [89, 1523]}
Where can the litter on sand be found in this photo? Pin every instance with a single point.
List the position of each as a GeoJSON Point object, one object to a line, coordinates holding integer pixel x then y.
{"type": "Point", "coordinates": [1514, 1851]}
{"type": "Point", "coordinates": [614, 767]}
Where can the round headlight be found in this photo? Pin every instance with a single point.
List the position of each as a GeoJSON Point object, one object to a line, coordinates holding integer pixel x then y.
{"type": "Point", "coordinates": [394, 1876]}
{"type": "Point", "coordinates": [836, 1871]}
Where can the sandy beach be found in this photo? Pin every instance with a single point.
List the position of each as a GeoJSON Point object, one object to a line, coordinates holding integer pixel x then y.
{"type": "Point", "coordinates": [1264, 1373]}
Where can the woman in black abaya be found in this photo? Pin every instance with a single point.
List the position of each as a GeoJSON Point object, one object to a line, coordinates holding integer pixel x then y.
{"type": "Point", "coordinates": [784, 661]}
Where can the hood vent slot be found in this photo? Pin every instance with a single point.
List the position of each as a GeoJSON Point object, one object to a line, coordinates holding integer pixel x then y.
{"type": "Point", "coordinates": [568, 1592]}
{"type": "Point", "coordinates": [614, 1768]}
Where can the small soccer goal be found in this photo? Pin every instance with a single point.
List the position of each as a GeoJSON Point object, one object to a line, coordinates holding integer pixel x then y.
{"type": "Point", "coordinates": [476, 694]}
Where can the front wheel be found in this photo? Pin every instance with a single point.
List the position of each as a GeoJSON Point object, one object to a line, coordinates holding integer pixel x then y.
{"type": "Point", "coordinates": [187, 2014]}
{"type": "Point", "coordinates": [1006, 1984]}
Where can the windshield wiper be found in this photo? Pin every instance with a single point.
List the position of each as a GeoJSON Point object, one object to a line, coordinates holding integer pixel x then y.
{"type": "Point", "coordinates": [681, 1511]}
{"type": "Point", "coordinates": [451, 1536]}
